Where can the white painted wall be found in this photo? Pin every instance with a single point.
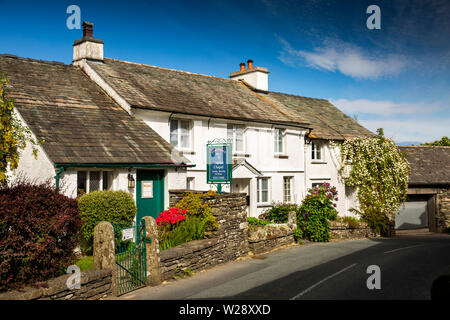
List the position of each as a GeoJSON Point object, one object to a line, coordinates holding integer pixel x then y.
{"type": "Point", "coordinates": [258, 151]}
{"type": "Point", "coordinates": [327, 170]}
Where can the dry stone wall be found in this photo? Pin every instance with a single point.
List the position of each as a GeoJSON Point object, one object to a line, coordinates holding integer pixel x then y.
{"type": "Point", "coordinates": [95, 284]}
{"type": "Point", "coordinates": [443, 209]}
{"type": "Point", "coordinates": [341, 230]}
{"type": "Point", "coordinates": [227, 243]}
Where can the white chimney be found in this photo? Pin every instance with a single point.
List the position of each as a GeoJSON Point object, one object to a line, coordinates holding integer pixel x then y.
{"type": "Point", "coordinates": [257, 77]}
{"type": "Point", "coordinates": [88, 47]}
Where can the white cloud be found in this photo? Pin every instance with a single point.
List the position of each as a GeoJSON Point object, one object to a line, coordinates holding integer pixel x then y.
{"type": "Point", "coordinates": [347, 59]}
{"type": "Point", "coordinates": [419, 122]}
{"type": "Point", "coordinates": [385, 107]}
{"type": "Point", "coordinates": [411, 129]}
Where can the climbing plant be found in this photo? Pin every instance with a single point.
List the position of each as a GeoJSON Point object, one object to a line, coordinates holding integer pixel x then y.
{"type": "Point", "coordinates": [380, 173]}
{"type": "Point", "coordinates": [13, 135]}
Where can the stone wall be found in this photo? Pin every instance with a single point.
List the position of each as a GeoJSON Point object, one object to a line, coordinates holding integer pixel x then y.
{"type": "Point", "coordinates": [341, 230]}
{"type": "Point", "coordinates": [443, 209]}
{"type": "Point", "coordinates": [265, 238]}
{"type": "Point", "coordinates": [225, 244]}
{"type": "Point", "coordinates": [95, 284]}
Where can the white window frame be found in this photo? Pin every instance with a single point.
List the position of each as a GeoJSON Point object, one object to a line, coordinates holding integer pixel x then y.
{"type": "Point", "coordinates": [179, 133]}
{"type": "Point", "coordinates": [100, 186]}
{"type": "Point", "coordinates": [317, 148]}
{"type": "Point", "coordinates": [190, 183]}
{"type": "Point", "coordinates": [291, 193]}
{"type": "Point", "coordinates": [233, 136]}
{"type": "Point", "coordinates": [277, 133]}
{"type": "Point", "coordinates": [259, 191]}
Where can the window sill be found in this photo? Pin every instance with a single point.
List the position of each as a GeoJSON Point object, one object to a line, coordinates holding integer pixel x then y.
{"type": "Point", "coordinates": [281, 156]}
{"type": "Point", "coordinates": [183, 152]}
{"type": "Point", "coordinates": [263, 205]}
{"type": "Point", "coordinates": [241, 154]}
{"type": "Point", "coordinates": [318, 162]}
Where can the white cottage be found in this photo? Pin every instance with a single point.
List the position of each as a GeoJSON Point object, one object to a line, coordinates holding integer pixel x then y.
{"type": "Point", "coordinates": [280, 141]}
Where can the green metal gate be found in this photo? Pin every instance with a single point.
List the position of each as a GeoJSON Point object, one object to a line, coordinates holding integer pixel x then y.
{"type": "Point", "coordinates": [131, 260]}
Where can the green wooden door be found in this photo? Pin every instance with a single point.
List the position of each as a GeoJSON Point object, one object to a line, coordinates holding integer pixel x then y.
{"type": "Point", "coordinates": [149, 193]}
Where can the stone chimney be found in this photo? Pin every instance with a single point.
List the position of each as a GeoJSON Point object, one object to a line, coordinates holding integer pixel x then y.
{"type": "Point", "coordinates": [257, 77]}
{"type": "Point", "coordinates": [88, 47]}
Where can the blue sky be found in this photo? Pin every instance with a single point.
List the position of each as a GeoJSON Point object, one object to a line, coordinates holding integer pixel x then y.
{"type": "Point", "coordinates": [397, 77]}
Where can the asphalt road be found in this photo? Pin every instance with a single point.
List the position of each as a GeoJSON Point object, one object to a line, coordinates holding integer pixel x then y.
{"type": "Point", "coordinates": [336, 270]}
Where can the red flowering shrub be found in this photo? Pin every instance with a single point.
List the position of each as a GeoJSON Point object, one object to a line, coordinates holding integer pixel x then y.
{"type": "Point", "coordinates": [175, 228]}
{"type": "Point", "coordinates": [39, 230]}
{"type": "Point", "coordinates": [171, 216]}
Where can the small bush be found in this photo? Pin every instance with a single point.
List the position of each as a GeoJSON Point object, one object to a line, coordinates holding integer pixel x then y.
{"type": "Point", "coordinates": [298, 234]}
{"type": "Point", "coordinates": [279, 212]}
{"type": "Point", "coordinates": [39, 230]}
{"type": "Point", "coordinates": [117, 207]}
{"type": "Point", "coordinates": [315, 211]}
{"type": "Point", "coordinates": [191, 228]}
{"type": "Point", "coordinates": [194, 206]}
{"type": "Point", "coordinates": [352, 222]}
{"type": "Point", "coordinates": [257, 222]}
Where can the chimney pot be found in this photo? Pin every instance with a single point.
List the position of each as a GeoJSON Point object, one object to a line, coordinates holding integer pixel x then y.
{"type": "Point", "coordinates": [250, 64]}
{"type": "Point", "coordinates": [88, 29]}
{"type": "Point", "coordinates": [242, 66]}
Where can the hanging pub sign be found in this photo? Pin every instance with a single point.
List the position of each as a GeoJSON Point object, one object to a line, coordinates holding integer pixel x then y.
{"type": "Point", "coordinates": [218, 163]}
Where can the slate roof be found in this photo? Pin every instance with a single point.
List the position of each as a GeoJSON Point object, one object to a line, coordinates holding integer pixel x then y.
{"type": "Point", "coordinates": [79, 122]}
{"type": "Point", "coordinates": [155, 88]}
{"type": "Point", "coordinates": [429, 165]}
{"type": "Point", "coordinates": [327, 121]}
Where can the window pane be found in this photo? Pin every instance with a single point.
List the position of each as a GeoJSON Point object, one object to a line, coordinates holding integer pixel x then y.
{"type": "Point", "coordinates": [280, 142]}
{"type": "Point", "coordinates": [264, 184]}
{"type": "Point", "coordinates": [318, 154]}
{"type": "Point", "coordinates": [184, 133]}
{"type": "Point", "coordinates": [174, 133]}
{"type": "Point", "coordinates": [265, 196]}
{"type": "Point", "coordinates": [105, 181]}
{"type": "Point", "coordinates": [230, 132]}
{"type": "Point", "coordinates": [287, 189]}
{"type": "Point", "coordinates": [81, 182]}
{"type": "Point", "coordinates": [313, 146]}
{"type": "Point", "coordinates": [94, 181]}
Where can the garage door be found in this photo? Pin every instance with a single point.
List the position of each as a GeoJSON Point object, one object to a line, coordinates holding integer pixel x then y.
{"type": "Point", "coordinates": [412, 216]}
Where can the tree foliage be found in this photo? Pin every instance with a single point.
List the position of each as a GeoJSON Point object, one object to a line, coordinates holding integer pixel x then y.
{"type": "Point", "coordinates": [445, 141]}
{"type": "Point", "coordinates": [13, 135]}
{"type": "Point", "coordinates": [380, 172]}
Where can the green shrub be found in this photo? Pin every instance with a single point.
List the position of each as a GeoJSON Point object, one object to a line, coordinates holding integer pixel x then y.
{"type": "Point", "coordinates": [352, 222]}
{"type": "Point", "coordinates": [279, 212]}
{"type": "Point", "coordinates": [257, 222]}
{"type": "Point", "coordinates": [315, 211]}
{"type": "Point", "coordinates": [298, 234]}
{"type": "Point", "coordinates": [195, 206]}
{"type": "Point", "coordinates": [192, 228]}
{"type": "Point", "coordinates": [117, 207]}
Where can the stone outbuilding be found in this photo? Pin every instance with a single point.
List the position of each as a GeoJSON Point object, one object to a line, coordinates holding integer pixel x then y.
{"type": "Point", "coordinates": [428, 202]}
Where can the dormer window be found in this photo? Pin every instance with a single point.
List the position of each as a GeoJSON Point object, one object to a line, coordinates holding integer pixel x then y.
{"type": "Point", "coordinates": [235, 133]}
{"type": "Point", "coordinates": [180, 134]}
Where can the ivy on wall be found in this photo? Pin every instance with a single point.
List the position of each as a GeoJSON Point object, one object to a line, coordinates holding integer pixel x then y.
{"type": "Point", "coordinates": [13, 135]}
{"type": "Point", "coordinates": [380, 173]}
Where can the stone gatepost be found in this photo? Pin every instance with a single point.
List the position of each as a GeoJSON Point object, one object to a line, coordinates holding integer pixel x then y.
{"type": "Point", "coordinates": [292, 220]}
{"type": "Point", "coordinates": [104, 250]}
{"type": "Point", "coordinates": [153, 254]}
